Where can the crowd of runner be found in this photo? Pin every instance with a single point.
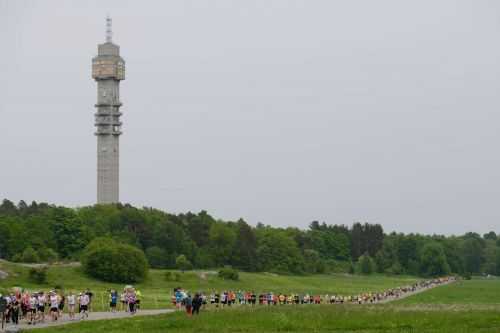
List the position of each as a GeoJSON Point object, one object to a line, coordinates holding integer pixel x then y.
{"type": "Point", "coordinates": [37, 307]}
{"type": "Point", "coordinates": [192, 304]}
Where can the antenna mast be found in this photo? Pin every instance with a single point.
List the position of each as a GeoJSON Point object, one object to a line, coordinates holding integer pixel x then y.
{"type": "Point", "coordinates": [109, 32]}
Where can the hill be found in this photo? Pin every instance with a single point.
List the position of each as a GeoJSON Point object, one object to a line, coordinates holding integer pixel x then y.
{"type": "Point", "coordinates": [157, 290]}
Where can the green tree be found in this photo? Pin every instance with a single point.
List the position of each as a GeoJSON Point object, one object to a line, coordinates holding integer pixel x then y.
{"type": "Point", "coordinates": [472, 254]}
{"type": "Point", "coordinates": [222, 242]}
{"type": "Point", "coordinates": [433, 260]}
{"type": "Point", "coordinates": [228, 273]}
{"type": "Point", "coordinates": [108, 260]}
{"type": "Point", "coordinates": [497, 259]}
{"type": "Point", "coordinates": [490, 235]}
{"type": "Point", "coordinates": [366, 264]}
{"type": "Point", "coordinates": [30, 255]}
{"type": "Point", "coordinates": [48, 255]}
{"type": "Point", "coordinates": [157, 257]}
{"type": "Point", "coordinates": [312, 262]}
{"type": "Point", "coordinates": [183, 263]}
{"type": "Point", "coordinates": [245, 247]}
{"type": "Point", "coordinates": [278, 252]}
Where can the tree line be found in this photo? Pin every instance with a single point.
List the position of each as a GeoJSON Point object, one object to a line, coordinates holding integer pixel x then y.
{"type": "Point", "coordinates": [42, 232]}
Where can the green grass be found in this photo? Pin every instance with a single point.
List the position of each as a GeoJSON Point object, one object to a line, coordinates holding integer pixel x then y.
{"type": "Point", "coordinates": [478, 291]}
{"type": "Point", "coordinates": [462, 307]}
{"type": "Point", "coordinates": [157, 291]}
{"type": "Point", "coordinates": [310, 318]}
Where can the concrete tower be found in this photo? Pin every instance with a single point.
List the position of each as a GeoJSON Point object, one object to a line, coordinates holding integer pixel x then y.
{"type": "Point", "coordinates": [108, 68]}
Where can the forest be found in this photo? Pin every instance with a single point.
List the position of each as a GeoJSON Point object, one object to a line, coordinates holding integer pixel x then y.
{"type": "Point", "coordinates": [40, 232]}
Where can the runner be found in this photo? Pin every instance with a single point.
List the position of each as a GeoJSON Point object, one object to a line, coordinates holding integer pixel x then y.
{"type": "Point", "coordinates": [113, 298]}
{"type": "Point", "coordinates": [62, 301]}
{"type": "Point", "coordinates": [84, 305]}
{"type": "Point", "coordinates": [138, 297]}
{"type": "Point", "coordinates": [71, 305]}
{"type": "Point", "coordinates": [178, 297]}
{"type": "Point", "coordinates": [25, 304]}
{"type": "Point", "coordinates": [188, 304]}
{"type": "Point", "coordinates": [54, 305]}
{"type": "Point", "coordinates": [41, 306]}
{"type": "Point", "coordinates": [33, 309]}
{"type": "Point", "coordinates": [131, 298]}
{"type": "Point", "coordinates": [14, 311]}
{"type": "Point", "coordinates": [90, 295]}
{"type": "Point", "coordinates": [123, 301]}
{"type": "Point", "coordinates": [197, 303]}
{"type": "Point", "coordinates": [3, 308]}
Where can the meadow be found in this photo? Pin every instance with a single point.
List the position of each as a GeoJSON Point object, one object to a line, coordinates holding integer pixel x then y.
{"type": "Point", "coordinates": [478, 291]}
{"type": "Point", "coordinates": [308, 318]}
{"type": "Point", "coordinates": [461, 307]}
{"type": "Point", "coordinates": [156, 289]}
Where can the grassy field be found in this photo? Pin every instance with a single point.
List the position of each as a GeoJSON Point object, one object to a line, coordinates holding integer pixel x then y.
{"type": "Point", "coordinates": [464, 306]}
{"type": "Point", "coordinates": [478, 291]}
{"type": "Point", "coordinates": [312, 318]}
{"type": "Point", "coordinates": [156, 289]}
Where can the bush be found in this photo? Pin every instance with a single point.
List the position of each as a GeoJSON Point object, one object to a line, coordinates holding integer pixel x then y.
{"type": "Point", "coordinates": [110, 261]}
{"type": "Point", "coordinates": [228, 273]}
{"type": "Point", "coordinates": [38, 275]}
{"type": "Point", "coordinates": [30, 256]}
{"type": "Point", "coordinates": [337, 266]}
{"type": "Point", "coordinates": [467, 276]}
{"type": "Point", "coordinates": [48, 255]}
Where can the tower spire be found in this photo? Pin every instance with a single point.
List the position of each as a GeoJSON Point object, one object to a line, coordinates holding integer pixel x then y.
{"type": "Point", "coordinates": [109, 32]}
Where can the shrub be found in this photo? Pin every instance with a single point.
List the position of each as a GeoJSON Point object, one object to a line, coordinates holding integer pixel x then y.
{"type": "Point", "coordinates": [18, 257]}
{"type": "Point", "coordinates": [183, 263]}
{"type": "Point", "coordinates": [228, 273]}
{"type": "Point", "coordinates": [48, 255]}
{"type": "Point", "coordinates": [337, 266]}
{"type": "Point", "coordinates": [30, 256]}
{"type": "Point", "coordinates": [38, 275]}
{"type": "Point", "coordinates": [169, 276]}
{"type": "Point", "coordinates": [110, 261]}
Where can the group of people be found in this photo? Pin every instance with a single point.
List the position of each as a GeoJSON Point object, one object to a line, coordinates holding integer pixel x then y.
{"type": "Point", "coordinates": [130, 300]}
{"type": "Point", "coordinates": [181, 298]}
{"type": "Point", "coordinates": [192, 305]}
{"type": "Point", "coordinates": [37, 307]}
{"type": "Point", "coordinates": [34, 307]}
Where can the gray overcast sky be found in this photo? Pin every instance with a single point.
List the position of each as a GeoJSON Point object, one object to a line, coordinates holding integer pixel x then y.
{"type": "Point", "coordinates": [282, 112]}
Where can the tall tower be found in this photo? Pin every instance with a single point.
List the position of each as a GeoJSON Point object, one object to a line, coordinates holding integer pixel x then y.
{"type": "Point", "coordinates": [108, 68]}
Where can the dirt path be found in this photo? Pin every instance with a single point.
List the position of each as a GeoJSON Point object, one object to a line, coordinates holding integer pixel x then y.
{"type": "Point", "coordinates": [392, 299]}
{"type": "Point", "coordinates": [93, 316]}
